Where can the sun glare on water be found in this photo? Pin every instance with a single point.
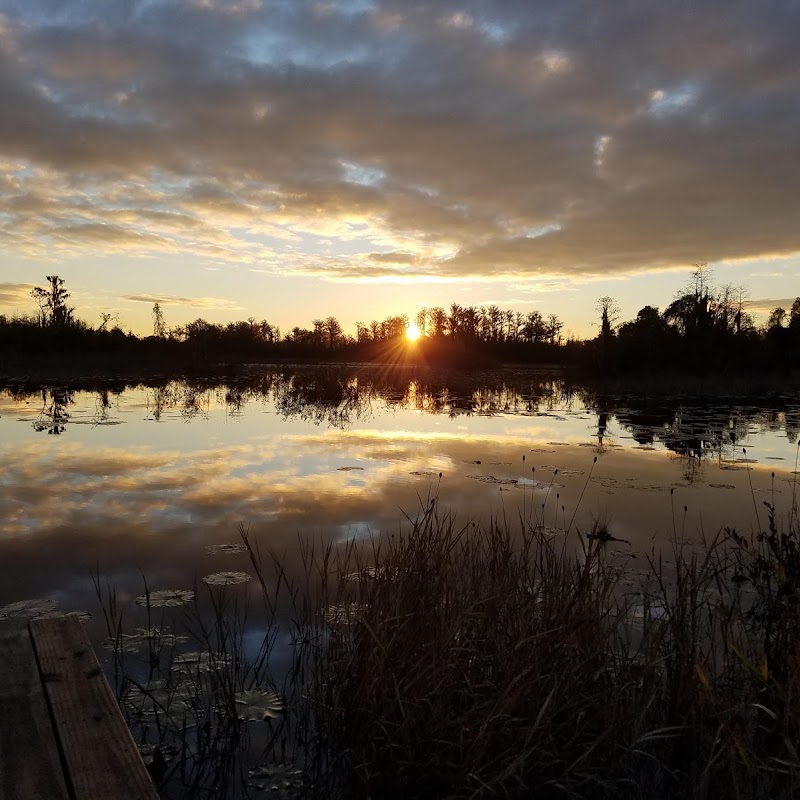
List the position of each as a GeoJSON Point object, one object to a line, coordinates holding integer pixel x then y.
{"type": "Point", "coordinates": [413, 333]}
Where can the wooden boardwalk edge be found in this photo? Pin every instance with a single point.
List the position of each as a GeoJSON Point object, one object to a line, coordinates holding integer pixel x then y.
{"type": "Point", "coordinates": [30, 765]}
{"type": "Point", "coordinates": [101, 760]}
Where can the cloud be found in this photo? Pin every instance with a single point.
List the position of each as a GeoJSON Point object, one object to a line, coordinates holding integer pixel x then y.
{"type": "Point", "coordinates": [394, 258]}
{"type": "Point", "coordinates": [193, 302]}
{"type": "Point", "coordinates": [767, 306]}
{"type": "Point", "coordinates": [12, 294]}
{"type": "Point", "coordinates": [410, 136]}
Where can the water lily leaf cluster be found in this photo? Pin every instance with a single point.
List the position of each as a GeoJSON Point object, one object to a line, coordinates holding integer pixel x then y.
{"type": "Point", "coordinates": [256, 705]}
{"type": "Point", "coordinates": [226, 578]}
{"type": "Point", "coordinates": [225, 549]}
{"type": "Point", "coordinates": [166, 598]}
{"type": "Point", "coordinates": [200, 661]}
{"type": "Point", "coordinates": [28, 609]}
{"type": "Point", "coordinates": [285, 781]}
{"type": "Point", "coordinates": [164, 700]}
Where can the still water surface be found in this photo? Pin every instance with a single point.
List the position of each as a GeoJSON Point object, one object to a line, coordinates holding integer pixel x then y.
{"type": "Point", "coordinates": [133, 480]}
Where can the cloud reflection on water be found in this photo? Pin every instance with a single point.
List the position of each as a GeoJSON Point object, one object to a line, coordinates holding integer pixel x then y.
{"type": "Point", "coordinates": [147, 499]}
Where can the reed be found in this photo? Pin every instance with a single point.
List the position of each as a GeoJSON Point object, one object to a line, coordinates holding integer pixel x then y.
{"type": "Point", "coordinates": [463, 661]}
{"type": "Point", "coordinates": [453, 659]}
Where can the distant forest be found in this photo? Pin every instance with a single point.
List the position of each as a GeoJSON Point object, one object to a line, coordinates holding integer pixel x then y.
{"type": "Point", "coordinates": [704, 329]}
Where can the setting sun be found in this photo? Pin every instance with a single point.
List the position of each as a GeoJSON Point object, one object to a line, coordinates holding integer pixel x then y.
{"type": "Point", "coordinates": [413, 332]}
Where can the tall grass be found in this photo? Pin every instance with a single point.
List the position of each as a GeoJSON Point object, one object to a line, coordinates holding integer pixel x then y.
{"type": "Point", "coordinates": [506, 659]}
{"type": "Point", "coordinates": [497, 661]}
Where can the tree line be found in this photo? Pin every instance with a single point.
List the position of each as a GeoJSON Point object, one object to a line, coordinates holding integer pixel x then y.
{"type": "Point", "coordinates": [705, 328]}
{"type": "Point", "coordinates": [55, 328]}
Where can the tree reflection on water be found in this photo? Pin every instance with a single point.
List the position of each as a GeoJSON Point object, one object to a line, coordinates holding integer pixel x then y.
{"type": "Point", "coordinates": [340, 396]}
{"type": "Point", "coordinates": [53, 417]}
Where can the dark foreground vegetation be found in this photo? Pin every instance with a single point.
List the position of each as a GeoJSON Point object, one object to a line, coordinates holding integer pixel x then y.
{"type": "Point", "coordinates": [705, 329]}
{"type": "Point", "coordinates": [476, 663]}
{"type": "Point", "coordinates": [519, 658]}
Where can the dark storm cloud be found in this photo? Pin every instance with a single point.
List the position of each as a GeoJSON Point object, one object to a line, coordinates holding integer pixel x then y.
{"type": "Point", "coordinates": [482, 138]}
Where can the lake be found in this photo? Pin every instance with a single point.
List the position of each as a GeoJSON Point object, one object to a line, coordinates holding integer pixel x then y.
{"type": "Point", "coordinates": [135, 480]}
{"type": "Point", "coordinates": [124, 482]}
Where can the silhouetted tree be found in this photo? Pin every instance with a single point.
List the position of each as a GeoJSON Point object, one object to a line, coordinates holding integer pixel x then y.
{"type": "Point", "coordinates": [319, 332]}
{"type": "Point", "coordinates": [438, 322]}
{"type": "Point", "coordinates": [776, 318]}
{"type": "Point", "coordinates": [646, 341]}
{"type": "Point", "coordinates": [608, 308]}
{"type": "Point", "coordinates": [52, 302]}
{"type": "Point", "coordinates": [690, 312]}
{"type": "Point", "coordinates": [454, 320]}
{"type": "Point", "coordinates": [742, 321]}
{"type": "Point", "coordinates": [534, 329]}
{"type": "Point", "coordinates": [470, 322]}
{"type": "Point", "coordinates": [554, 326]}
{"type": "Point", "coordinates": [362, 333]}
{"type": "Point", "coordinates": [159, 326]}
{"type": "Point", "coordinates": [794, 315]}
{"type": "Point", "coordinates": [333, 332]}
{"type": "Point", "coordinates": [421, 320]}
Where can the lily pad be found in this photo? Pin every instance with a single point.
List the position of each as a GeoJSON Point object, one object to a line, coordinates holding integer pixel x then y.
{"type": "Point", "coordinates": [135, 642]}
{"type": "Point", "coordinates": [257, 706]}
{"type": "Point", "coordinates": [277, 780]}
{"type": "Point", "coordinates": [157, 635]}
{"type": "Point", "coordinates": [225, 549]}
{"type": "Point", "coordinates": [226, 578]}
{"type": "Point", "coordinates": [203, 661]}
{"type": "Point", "coordinates": [493, 480]}
{"type": "Point", "coordinates": [160, 699]}
{"type": "Point", "coordinates": [29, 609]}
{"type": "Point", "coordinates": [167, 598]}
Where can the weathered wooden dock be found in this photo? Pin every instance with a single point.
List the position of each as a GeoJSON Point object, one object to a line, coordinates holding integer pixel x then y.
{"type": "Point", "coordinates": [62, 735]}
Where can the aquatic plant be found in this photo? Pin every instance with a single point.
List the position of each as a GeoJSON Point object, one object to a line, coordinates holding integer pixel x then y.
{"type": "Point", "coordinates": [256, 706]}
{"type": "Point", "coordinates": [227, 548]}
{"type": "Point", "coordinates": [39, 608]}
{"type": "Point", "coordinates": [166, 598]}
{"type": "Point", "coordinates": [226, 578]}
{"type": "Point", "coordinates": [512, 659]}
{"type": "Point", "coordinates": [28, 609]}
{"type": "Point", "coordinates": [499, 661]}
{"type": "Point", "coordinates": [190, 696]}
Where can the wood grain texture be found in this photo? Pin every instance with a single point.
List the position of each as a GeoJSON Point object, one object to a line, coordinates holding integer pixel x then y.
{"type": "Point", "coordinates": [30, 767]}
{"type": "Point", "coordinates": [101, 760]}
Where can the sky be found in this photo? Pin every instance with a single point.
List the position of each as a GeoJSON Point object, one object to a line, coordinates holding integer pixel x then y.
{"type": "Point", "coordinates": [290, 160]}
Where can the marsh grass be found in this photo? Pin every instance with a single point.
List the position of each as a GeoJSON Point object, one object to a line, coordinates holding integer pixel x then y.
{"type": "Point", "coordinates": [459, 660]}
{"type": "Point", "coordinates": [456, 659]}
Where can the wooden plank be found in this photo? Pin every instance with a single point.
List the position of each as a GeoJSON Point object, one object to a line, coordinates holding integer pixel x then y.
{"type": "Point", "coordinates": [30, 767]}
{"type": "Point", "coordinates": [101, 760]}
